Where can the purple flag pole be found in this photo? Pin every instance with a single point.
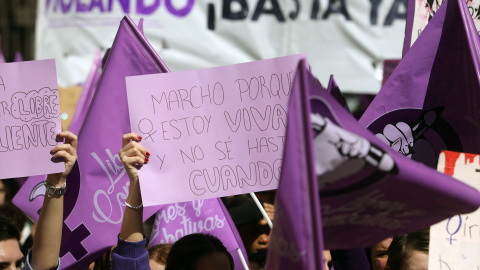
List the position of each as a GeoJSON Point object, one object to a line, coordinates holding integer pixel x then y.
{"type": "Point", "coordinates": [92, 224]}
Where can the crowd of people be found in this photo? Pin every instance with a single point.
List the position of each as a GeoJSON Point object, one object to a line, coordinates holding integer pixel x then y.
{"type": "Point", "coordinates": [28, 245]}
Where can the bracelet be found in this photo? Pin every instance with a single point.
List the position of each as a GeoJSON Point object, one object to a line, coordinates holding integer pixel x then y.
{"type": "Point", "coordinates": [52, 191]}
{"type": "Point", "coordinates": [133, 207]}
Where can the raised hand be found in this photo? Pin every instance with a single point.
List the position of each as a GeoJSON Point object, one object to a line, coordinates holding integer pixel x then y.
{"type": "Point", "coordinates": [133, 155]}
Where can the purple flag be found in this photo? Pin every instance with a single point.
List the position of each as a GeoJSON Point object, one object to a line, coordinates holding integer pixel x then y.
{"type": "Point", "coordinates": [173, 221]}
{"type": "Point", "coordinates": [92, 224]}
{"type": "Point", "coordinates": [18, 57]}
{"type": "Point", "coordinates": [334, 90]}
{"type": "Point", "coordinates": [430, 103]}
{"type": "Point", "coordinates": [296, 240]}
{"type": "Point", "coordinates": [30, 196]}
{"type": "Point", "coordinates": [367, 189]}
{"type": "Point", "coordinates": [87, 93]}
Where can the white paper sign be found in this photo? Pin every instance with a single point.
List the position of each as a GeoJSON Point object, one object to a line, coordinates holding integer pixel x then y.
{"type": "Point", "coordinates": [455, 242]}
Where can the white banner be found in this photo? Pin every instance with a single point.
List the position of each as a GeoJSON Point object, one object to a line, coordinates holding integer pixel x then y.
{"type": "Point", "coordinates": [347, 38]}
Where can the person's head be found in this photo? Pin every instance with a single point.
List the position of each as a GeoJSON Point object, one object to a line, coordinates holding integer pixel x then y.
{"type": "Point", "coordinates": [250, 223]}
{"type": "Point", "coordinates": [409, 251]}
{"type": "Point", "coordinates": [378, 254]}
{"type": "Point", "coordinates": [158, 256]}
{"type": "Point", "coordinates": [10, 255]}
{"type": "Point", "coordinates": [197, 252]}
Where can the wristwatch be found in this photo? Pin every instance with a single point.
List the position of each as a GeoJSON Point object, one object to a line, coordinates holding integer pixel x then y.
{"type": "Point", "coordinates": [52, 191]}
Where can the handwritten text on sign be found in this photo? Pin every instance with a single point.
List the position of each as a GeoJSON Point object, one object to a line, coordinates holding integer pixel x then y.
{"type": "Point", "coordinates": [29, 118]}
{"type": "Point", "coordinates": [455, 242]}
{"type": "Point", "coordinates": [212, 132]}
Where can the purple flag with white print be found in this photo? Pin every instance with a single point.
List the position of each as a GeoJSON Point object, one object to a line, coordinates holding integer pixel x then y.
{"type": "Point", "coordinates": [93, 220]}
{"type": "Point", "coordinates": [209, 216]}
{"type": "Point", "coordinates": [430, 102]}
{"type": "Point", "coordinates": [368, 190]}
{"type": "Point", "coordinates": [30, 196]}
{"type": "Point", "coordinates": [296, 240]}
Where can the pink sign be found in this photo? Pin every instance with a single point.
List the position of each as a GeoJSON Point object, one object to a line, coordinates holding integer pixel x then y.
{"type": "Point", "coordinates": [29, 118]}
{"type": "Point", "coordinates": [212, 132]}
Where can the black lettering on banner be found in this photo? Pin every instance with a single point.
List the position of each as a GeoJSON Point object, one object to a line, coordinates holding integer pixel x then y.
{"type": "Point", "coordinates": [294, 13]}
{"type": "Point", "coordinates": [211, 17]}
{"type": "Point", "coordinates": [275, 10]}
{"type": "Point", "coordinates": [228, 12]}
{"type": "Point", "coordinates": [315, 9]}
{"type": "Point", "coordinates": [394, 12]}
{"type": "Point", "coordinates": [374, 11]}
{"type": "Point", "coordinates": [337, 6]}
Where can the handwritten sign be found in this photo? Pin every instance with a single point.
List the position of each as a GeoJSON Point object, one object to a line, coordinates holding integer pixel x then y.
{"type": "Point", "coordinates": [29, 118]}
{"type": "Point", "coordinates": [212, 132]}
{"type": "Point", "coordinates": [455, 242]}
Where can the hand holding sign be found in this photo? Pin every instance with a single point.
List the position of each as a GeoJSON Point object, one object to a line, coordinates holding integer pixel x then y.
{"type": "Point", "coordinates": [67, 152]}
{"type": "Point", "coordinates": [133, 155]}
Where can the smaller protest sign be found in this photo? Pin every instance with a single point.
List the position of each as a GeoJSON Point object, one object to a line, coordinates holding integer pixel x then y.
{"type": "Point", "coordinates": [29, 118]}
{"type": "Point", "coordinates": [455, 242]}
{"type": "Point", "coordinates": [176, 220]}
{"type": "Point", "coordinates": [212, 132]}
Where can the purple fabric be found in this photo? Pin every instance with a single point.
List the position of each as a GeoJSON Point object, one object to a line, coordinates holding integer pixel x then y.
{"type": "Point", "coordinates": [176, 220]}
{"type": "Point", "coordinates": [30, 196]}
{"type": "Point", "coordinates": [433, 95]}
{"type": "Point", "coordinates": [296, 240]}
{"type": "Point", "coordinates": [130, 255]}
{"type": "Point", "coordinates": [409, 26]}
{"type": "Point", "coordinates": [18, 57]}
{"type": "Point", "coordinates": [92, 225]}
{"type": "Point", "coordinates": [368, 190]}
{"type": "Point", "coordinates": [350, 259]}
{"type": "Point", "coordinates": [334, 90]}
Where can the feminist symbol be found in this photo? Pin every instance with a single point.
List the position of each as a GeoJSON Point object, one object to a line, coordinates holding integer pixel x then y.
{"type": "Point", "coordinates": [458, 228]}
{"type": "Point", "coordinates": [146, 124]}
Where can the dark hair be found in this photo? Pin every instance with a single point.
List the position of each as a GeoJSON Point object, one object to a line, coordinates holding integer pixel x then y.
{"type": "Point", "coordinates": [402, 246]}
{"type": "Point", "coordinates": [159, 253]}
{"type": "Point", "coordinates": [188, 249]}
{"type": "Point", "coordinates": [8, 230]}
{"type": "Point", "coordinates": [16, 216]}
{"type": "Point", "coordinates": [11, 188]}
